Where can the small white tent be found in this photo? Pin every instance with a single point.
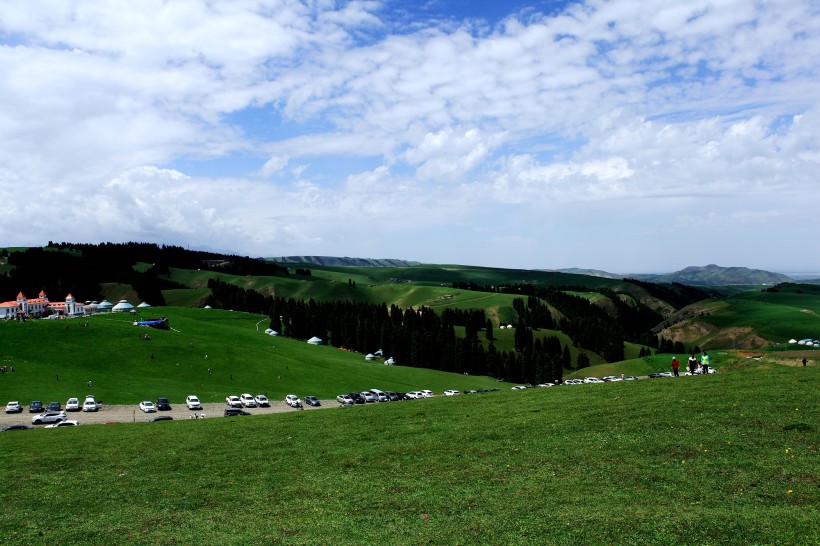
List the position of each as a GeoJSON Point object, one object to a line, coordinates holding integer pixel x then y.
{"type": "Point", "coordinates": [315, 340]}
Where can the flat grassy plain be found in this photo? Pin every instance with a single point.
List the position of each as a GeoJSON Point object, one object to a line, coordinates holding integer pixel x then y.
{"type": "Point", "coordinates": [725, 459]}
{"type": "Point", "coordinates": [54, 359]}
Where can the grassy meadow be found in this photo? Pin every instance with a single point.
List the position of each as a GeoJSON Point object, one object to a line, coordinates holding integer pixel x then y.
{"type": "Point", "coordinates": [725, 459]}
{"type": "Point", "coordinates": [54, 359]}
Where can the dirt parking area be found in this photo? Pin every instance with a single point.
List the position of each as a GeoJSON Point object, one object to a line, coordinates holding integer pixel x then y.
{"type": "Point", "coordinates": [132, 413]}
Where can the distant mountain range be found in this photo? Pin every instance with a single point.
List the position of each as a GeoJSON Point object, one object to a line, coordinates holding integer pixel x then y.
{"type": "Point", "coordinates": [348, 262]}
{"type": "Point", "coordinates": [709, 275]}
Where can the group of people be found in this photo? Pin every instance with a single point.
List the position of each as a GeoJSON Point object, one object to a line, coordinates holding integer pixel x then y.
{"type": "Point", "coordinates": [700, 364]}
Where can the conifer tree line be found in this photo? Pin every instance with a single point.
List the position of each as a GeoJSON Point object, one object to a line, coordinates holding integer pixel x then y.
{"type": "Point", "coordinates": [413, 337]}
{"type": "Point", "coordinates": [79, 269]}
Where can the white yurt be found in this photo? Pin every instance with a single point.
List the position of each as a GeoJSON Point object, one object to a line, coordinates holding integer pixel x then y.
{"type": "Point", "coordinates": [315, 340]}
{"type": "Point", "coordinates": [144, 304]}
{"type": "Point", "coordinates": [122, 307]}
{"type": "Point", "coordinates": [104, 305]}
{"type": "Point", "coordinates": [369, 356]}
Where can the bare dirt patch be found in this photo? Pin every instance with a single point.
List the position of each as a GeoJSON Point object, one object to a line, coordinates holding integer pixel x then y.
{"type": "Point", "coordinates": [738, 338]}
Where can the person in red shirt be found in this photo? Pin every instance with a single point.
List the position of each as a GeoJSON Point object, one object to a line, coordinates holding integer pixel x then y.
{"type": "Point", "coordinates": [675, 366]}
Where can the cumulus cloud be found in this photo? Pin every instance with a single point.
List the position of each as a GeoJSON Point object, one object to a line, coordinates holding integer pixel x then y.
{"type": "Point", "coordinates": [141, 114]}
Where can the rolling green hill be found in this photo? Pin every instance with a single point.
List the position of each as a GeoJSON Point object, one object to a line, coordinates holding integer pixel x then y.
{"type": "Point", "coordinates": [54, 359]}
{"type": "Point", "coordinates": [752, 319]}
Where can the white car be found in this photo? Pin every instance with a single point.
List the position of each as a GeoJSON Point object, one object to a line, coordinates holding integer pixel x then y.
{"type": "Point", "coordinates": [426, 394]}
{"type": "Point", "coordinates": [611, 378]}
{"type": "Point", "coordinates": [451, 392]}
{"type": "Point", "coordinates": [91, 405]}
{"type": "Point", "coordinates": [292, 400]}
{"type": "Point", "coordinates": [413, 395]}
{"type": "Point", "coordinates": [73, 404]}
{"type": "Point", "coordinates": [233, 401]}
{"type": "Point", "coordinates": [593, 380]}
{"type": "Point", "coordinates": [344, 399]}
{"type": "Point", "coordinates": [14, 407]}
{"type": "Point", "coordinates": [66, 423]}
{"type": "Point", "coordinates": [545, 385]}
{"type": "Point", "coordinates": [147, 406]}
{"type": "Point", "coordinates": [519, 388]}
{"type": "Point", "coordinates": [48, 417]}
{"type": "Point", "coordinates": [262, 401]}
{"type": "Point", "coordinates": [247, 400]}
{"type": "Point", "coordinates": [192, 402]}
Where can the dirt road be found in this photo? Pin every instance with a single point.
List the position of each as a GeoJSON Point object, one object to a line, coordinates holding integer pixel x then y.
{"type": "Point", "coordinates": [132, 413]}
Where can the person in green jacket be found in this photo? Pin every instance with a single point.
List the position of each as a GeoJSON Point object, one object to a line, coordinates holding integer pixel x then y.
{"type": "Point", "coordinates": [704, 362]}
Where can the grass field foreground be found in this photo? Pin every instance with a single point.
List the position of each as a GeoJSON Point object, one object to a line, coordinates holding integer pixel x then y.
{"type": "Point", "coordinates": [724, 459]}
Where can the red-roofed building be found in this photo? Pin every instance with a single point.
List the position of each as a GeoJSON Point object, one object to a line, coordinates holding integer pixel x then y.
{"type": "Point", "coordinates": [39, 307]}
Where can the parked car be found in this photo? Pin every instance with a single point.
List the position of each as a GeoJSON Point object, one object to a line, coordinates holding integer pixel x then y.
{"type": "Point", "coordinates": [147, 406]}
{"type": "Point", "coordinates": [451, 392]}
{"type": "Point", "coordinates": [262, 401]}
{"type": "Point", "coordinates": [427, 394]}
{"type": "Point", "coordinates": [293, 401]}
{"type": "Point", "coordinates": [545, 385]}
{"type": "Point", "coordinates": [344, 399]}
{"type": "Point", "coordinates": [35, 407]}
{"type": "Point", "coordinates": [66, 423]}
{"type": "Point", "coordinates": [413, 395]}
{"type": "Point", "coordinates": [91, 405]}
{"type": "Point", "coordinates": [233, 401]}
{"type": "Point", "coordinates": [192, 402]}
{"type": "Point", "coordinates": [54, 406]}
{"type": "Point", "coordinates": [15, 427]}
{"type": "Point", "coordinates": [593, 380]}
{"type": "Point", "coordinates": [48, 417]}
{"type": "Point", "coordinates": [369, 397]}
{"type": "Point", "coordinates": [519, 388]}
{"type": "Point", "coordinates": [73, 404]}
{"type": "Point", "coordinates": [661, 374]}
{"type": "Point", "coordinates": [630, 378]}
{"type": "Point", "coordinates": [14, 407]}
{"type": "Point", "coordinates": [232, 412]}
{"type": "Point", "coordinates": [247, 400]}
{"type": "Point", "coordinates": [312, 401]}
{"type": "Point", "coordinates": [357, 397]}
{"type": "Point", "coordinates": [163, 404]}
{"type": "Point", "coordinates": [611, 378]}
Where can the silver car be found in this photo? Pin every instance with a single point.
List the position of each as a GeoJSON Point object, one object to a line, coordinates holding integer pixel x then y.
{"type": "Point", "coordinates": [48, 417]}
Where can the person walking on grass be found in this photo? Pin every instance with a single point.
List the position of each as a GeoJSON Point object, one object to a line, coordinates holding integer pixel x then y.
{"type": "Point", "coordinates": [693, 363]}
{"type": "Point", "coordinates": [704, 362]}
{"type": "Point", "coordinates": [675, 366]}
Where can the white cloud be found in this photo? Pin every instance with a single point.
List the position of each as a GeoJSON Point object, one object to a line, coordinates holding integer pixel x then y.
{"type": "Point", "coordinates": [651, 107]}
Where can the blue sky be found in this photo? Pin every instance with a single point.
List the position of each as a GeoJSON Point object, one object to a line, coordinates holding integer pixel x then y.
{"type": "Point", "coordinates": [625, 136]}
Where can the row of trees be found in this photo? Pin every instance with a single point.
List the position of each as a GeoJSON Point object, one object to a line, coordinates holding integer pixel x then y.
{"type": "Point", "coordinates": [79, 269]}
{"type": "Point", "coordinates": [413, 337]}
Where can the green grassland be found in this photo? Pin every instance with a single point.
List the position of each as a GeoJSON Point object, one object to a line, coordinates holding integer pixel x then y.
{"type": "Point", "coordinates": [125, 368]}
{"type": "Point", "coordinates": [774, 317]}
{"type": "Point", "coordinates": [725, 459]}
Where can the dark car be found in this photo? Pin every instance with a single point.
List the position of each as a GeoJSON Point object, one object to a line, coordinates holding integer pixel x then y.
{"type": "Point", "coordinates": [163, 404]}
{"type": "Point", "coordinates": [15, 427]}
{"type": "Point", "coordinates": [54, 406]}
{"type": "Point", "coordinates": [357, 397]}
{"type": "Point", "coordinates": [312, 401]}
{"type": "Point", "coordinates": [392, 396]}
{"type": "Point", "coordinates": [231, 412]}
{"type": "Point", "coordinates": [161, 418]}
{"type": "Point", "coordinates": [36, 407]}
